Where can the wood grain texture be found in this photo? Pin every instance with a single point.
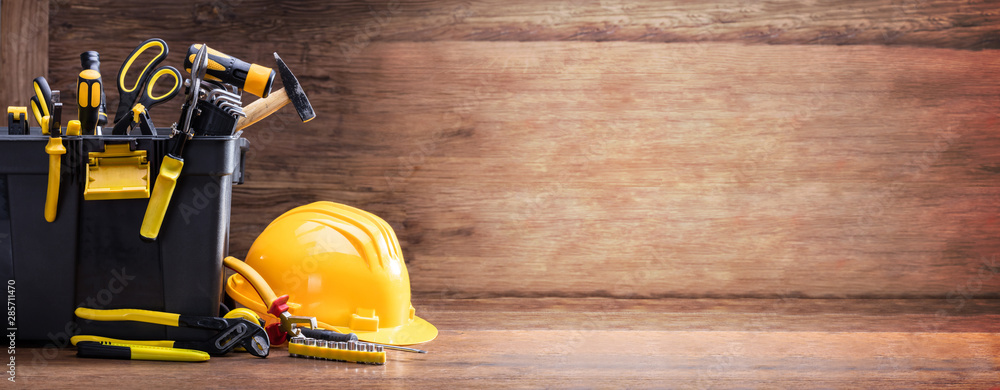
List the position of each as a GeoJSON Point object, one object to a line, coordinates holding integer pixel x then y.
{"type": "Point", "coordinates": [615, 169]}
{"type": "Point", "coordinates": [24, 42]}
{"type": "Point", "coordinates": [602, 350]}
{"type": "Point", "coordinates": [697, 164]}
{"type": "Point", "coordinates": [327, 25]}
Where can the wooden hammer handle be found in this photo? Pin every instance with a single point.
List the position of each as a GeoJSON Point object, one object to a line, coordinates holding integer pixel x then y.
{"type": "Point", "coordinates": [263, 107]}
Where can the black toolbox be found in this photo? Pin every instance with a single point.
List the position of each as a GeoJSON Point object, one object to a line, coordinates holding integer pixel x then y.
{"type": "Point", "coordinates": [92, 254]}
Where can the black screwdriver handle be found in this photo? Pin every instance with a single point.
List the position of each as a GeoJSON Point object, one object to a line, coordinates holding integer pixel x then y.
{"type": "Point", "coordinates": [328, 335]}
{"type": "Point", "coordinates": [253, 78]}
{"type": "Point", "coordinates": [90, 95]}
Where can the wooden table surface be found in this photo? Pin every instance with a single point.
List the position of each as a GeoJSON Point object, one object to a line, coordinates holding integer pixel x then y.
{"type": "Point", "coordinates": [614, 343]}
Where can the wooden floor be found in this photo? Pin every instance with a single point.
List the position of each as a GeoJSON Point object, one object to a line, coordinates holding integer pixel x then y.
{"type": "Point", "coordinates": [614, 343]}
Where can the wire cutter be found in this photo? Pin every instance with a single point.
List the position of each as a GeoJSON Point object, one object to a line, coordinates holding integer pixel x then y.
{"type": "Point", "coordinates": [235, 331]}
{"type": "Point", "coordinates": [134, 102]}
{"type": "Point", "coordinates": [173, 161]}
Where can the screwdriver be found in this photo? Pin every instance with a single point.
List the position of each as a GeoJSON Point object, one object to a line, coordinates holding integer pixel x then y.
{"type": "Point", "coordinates": [90, 95]}
{"type": "Point", "coordinates": [253, 78]}
{"type": "Point", "coordinates": [330, 335]}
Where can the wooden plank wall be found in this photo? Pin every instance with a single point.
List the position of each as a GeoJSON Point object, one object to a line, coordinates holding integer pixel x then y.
{"type": "Point", "coordinates": [620, 148]}
{"type": "Point", "coordinates": [24, 42]}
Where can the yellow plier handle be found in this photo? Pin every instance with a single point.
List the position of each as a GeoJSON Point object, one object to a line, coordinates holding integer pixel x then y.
{"type": "Point", "coordinates": [55, 150]}
{"type": "Point", "coordinates": [149, 343]}
{"type": "Point", "coordinates": [149, 316]}
{"type": "Point", "coordinates": [105, 348]}
{"type": "Point", "coordinates": [277, 306]}
{"type": "Point", "coordinates": [253, 277]}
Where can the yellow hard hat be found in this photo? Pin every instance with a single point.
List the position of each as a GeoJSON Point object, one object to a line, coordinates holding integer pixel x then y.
{"type": "Point", "coordinates": [341, 265]}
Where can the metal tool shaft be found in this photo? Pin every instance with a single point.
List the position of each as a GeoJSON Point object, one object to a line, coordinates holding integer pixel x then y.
{"type": "Point", "coordinates": [406, 349]}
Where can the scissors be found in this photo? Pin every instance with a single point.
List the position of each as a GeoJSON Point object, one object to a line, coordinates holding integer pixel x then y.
{"type": "Point", "coordinates": [135, 101]}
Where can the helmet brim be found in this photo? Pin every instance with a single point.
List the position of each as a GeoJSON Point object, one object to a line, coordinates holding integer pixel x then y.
{"type": "Point", "coordinates": [417, 331]}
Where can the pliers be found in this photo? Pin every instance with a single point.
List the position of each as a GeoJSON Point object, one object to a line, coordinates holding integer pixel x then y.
{"type": "Point", "coordinates": [289, 325]}
{"type": "Point", "coordinates": [233, 332]}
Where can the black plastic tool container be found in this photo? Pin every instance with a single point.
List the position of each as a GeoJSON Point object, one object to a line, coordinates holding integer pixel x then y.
{"type": "Point", "coordinates": [92, 254]}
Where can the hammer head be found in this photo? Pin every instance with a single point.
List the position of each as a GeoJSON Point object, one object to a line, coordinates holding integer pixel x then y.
{"type": "Point", "coordinates": [295, 93]}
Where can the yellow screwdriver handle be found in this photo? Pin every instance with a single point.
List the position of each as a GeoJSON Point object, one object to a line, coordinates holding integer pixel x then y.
{"type": "Point", "coordinates": [253, 78]}
{"type": "Point", "coordinates": [148, 316]}
{"type": "Point", "coordinates": [55, 150]}
{"type": "Point", "coordinates": [163, 190]}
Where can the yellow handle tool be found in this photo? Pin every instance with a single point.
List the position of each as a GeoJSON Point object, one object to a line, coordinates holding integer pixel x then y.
{"type": "Point", "coordinates": [149, 343]}
{"type": "Point", "coordinates": [170, 168]}
{"type": "Point", "coordinates": [47, 113]}
{"type": "Point", "coordinates": [253, 277]}
{"type": "Point", "coordinates": [55, 150]}
{"type": "Point", "coordinates": [163, 190]}
{"type": "Point", "coordinates": [41, 103]}
{"type": "Point", "coordinates": [89, 95]}
{"type": "Point", "coordinates": [253, 78]}
{"type": "Point", "coordinates": [132, 351]}
{"type": "Point", "coordinates": [149, 316]}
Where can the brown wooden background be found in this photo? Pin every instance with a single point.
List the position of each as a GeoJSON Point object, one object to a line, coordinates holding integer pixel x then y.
{"type": "Point", "coordinates": [607, 148]}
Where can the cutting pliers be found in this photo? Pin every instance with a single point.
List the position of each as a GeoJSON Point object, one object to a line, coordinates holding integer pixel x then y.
{"type": "Point", "coordinates": [232, 333]}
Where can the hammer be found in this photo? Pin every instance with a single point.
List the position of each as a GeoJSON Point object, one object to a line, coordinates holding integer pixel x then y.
{"type": "Point", "coordinates": [292, 92]}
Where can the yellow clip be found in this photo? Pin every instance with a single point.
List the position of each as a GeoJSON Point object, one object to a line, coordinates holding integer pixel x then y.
{"type": "Point", "coordinates": [117, 173]}
{"type": "Point", "coordinates": [17, 111]}
{"type": "Point", "coordinates": [364, 320]}
{"type": "Point", "coordinates": [137, 110]}
{"type": "Point", "coordinates": [73, 127]}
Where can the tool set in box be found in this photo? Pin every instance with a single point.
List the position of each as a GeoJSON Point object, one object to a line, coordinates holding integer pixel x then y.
{"type": "Point", "coordinates": [114, 232]}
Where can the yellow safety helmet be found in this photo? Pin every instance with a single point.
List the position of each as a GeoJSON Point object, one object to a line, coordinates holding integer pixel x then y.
{"type": "Point", "coordinates": [341, 265]}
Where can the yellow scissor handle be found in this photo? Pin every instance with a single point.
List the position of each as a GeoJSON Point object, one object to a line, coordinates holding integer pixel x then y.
{"type": "Point", "coordinates": [148, 99]}
{"type": "Point", "coordinates": [148, 316]}
{"type": "Point", "coordinates": [37, 113]}
{"type": "Point", "coordinates": [152, 43]}
{"type": "Point", "coordinates": [99, 339]}
{"type": "Point", "coordinates": [43, 94]}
